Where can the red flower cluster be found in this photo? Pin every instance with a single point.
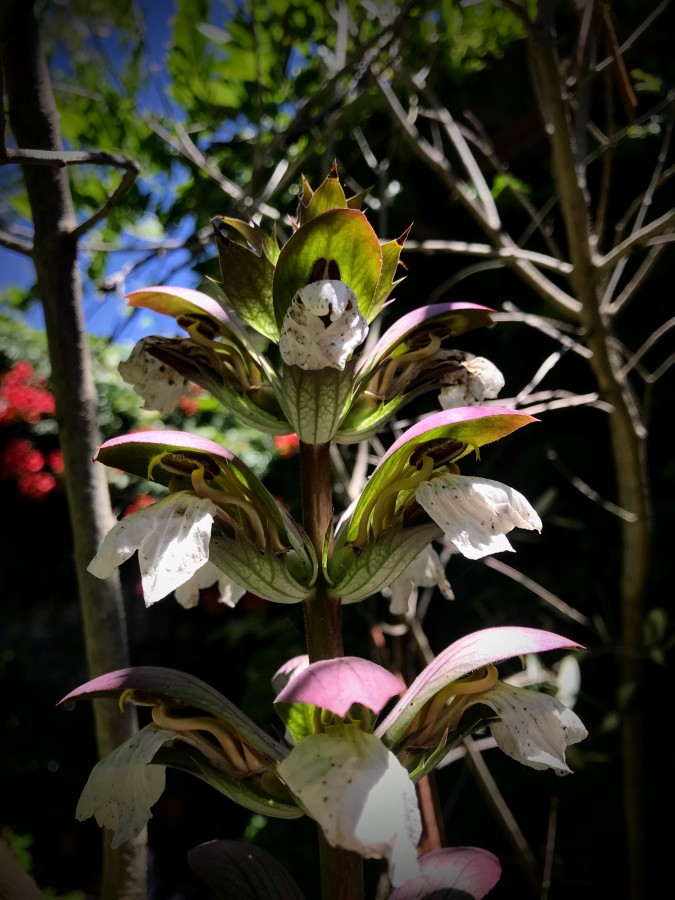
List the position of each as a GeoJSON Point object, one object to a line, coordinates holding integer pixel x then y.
{"type": "Point", "coordinates": [287, 444]}
{"type": "Point", "coordinates": [187, 404]}
{"type": "Point", "coordinates": [23, 395]}
{"type": "Point", "coordinates": [21, 459]}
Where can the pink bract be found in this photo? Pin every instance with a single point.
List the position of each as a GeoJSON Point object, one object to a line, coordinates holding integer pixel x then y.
{"type": "Point", "coordinates": [335, 684]}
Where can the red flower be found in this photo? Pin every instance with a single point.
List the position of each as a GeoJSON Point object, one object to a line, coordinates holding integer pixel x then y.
{"type": "Point", "coordinates": [20, 457]}
{"type": "Point", "coordinates": [55, 460]}
{"type": "Point", "coordinates": [188, 406]}
{"type": "Point", "coordinates": [287, 444]}
{"type": "Point", "coordinates": [23, 395]}
{"type": "Point", "coordinates": [22, 460]}
{"type": "Point", "coordinates": [36, 485]}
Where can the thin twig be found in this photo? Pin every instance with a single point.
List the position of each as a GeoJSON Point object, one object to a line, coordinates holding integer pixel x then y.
{"type": "Point", "coordinates": [588, 491]}
{"type": "Point", "coordinates": [508, 254]}
{"type": "Point", "coordinates": [642, 212]}
{"type": "Point", "coordinates": [551, 327]}
{"type": "Point", "coordinates": [562, 608]}
{"type": "Point", "coordinates": [647, 345]}
{"type": "Point", "coordinates": [639, 31]}
{"type": "Point", "coordinates": [637, 238]}
{"type": "Point", "coordinates": [62, 158]}
{"type": "Point", "coordinates": [638, 280]}
{"type": "Point", "coordinates": [17, 244]}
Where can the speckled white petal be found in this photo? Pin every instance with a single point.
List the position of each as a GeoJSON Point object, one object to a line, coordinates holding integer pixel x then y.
{"type": "Point", "coordinates": [160, 385]}
{"type": "Point", "coordinates": [322, 326]}
{"type": "Point", "coordinates": [476, 513]}
{"type": "Point", "coordinates": [229, 593]}
{"type": "Point", "coordinates": [425, 571]}
{"type": "Point", "coordinates": [172, 539]}
{"type": "Point", "coordinates": [123, 787]}
{"type": "Point", "coordinates": [360, 795]}
{"type": "Point", "coordinates": [476, 380]}
{"type": "Point", "coordinates": [534, 728]}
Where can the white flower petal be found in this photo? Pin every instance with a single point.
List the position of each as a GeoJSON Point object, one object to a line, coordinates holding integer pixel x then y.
{"type": "Point", "coordinates": [534, 728]}
{"type": "Point", "coordinates": [123, 787]}
{"type": "Point", "coordinates": [160, 385]}
{"type": "Point", "coordinates": [476, 513]}
{"type": "Point", "coordinates": [172, 538]}
{"type": "Point", "coordinates": [229, 593]}
{"type": "Point", "coordinates": [476, 380]}
{"type": "Point", "coordinates": [360, 794]}
{"type": "Point", "coordinates": [307, 340]}
{"type": "Point", "coordinates": [425, 571]}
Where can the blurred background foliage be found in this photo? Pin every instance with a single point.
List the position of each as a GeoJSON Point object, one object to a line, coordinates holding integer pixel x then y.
{"type": "Point", "coordinates": [225, 106]}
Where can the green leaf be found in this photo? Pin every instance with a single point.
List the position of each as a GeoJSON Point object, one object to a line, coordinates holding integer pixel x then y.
{"type": "Point", "coordinates": [315, 401]}
{"type": "Point", "coordinates": [265, 574]}
{"type": "Point", "coordinates": [391, 254]}
{"type": "Point", "coordinates": [247, 278]}
{"type": "Point", "coordinates": [298, 718]}
{"type": "Point", "coordinates": [380, 562]}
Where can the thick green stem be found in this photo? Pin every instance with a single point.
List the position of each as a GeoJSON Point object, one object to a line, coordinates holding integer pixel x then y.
{"type": "Point", "coordinates": [341, 870]}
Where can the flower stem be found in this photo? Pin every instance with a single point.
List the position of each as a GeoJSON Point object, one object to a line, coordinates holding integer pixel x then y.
{"type": "Point", "coordinates": [341, 870]}
{"type": "Point", "coordinates": [323, 613]}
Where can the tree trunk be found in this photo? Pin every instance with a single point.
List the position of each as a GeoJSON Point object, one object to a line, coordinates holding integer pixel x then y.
{"type": "Point", "coordinates": [35, 124]}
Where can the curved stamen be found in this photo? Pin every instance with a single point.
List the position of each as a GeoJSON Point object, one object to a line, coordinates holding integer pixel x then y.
{"type": "Point", "coordinates": [362, 536]}
{"type": "Point", "coordinates": [228, 477]}
{"type": "Point", "coordinates": [222, 498]}
{"type": "Point", "coordinates": [394, 365]}
{"type": "Point", "coordinates": [386, 502]}
{"type": "Point", "coordinates": [231, 747]}
{"type": "Point", "coordinates": [457, 688]}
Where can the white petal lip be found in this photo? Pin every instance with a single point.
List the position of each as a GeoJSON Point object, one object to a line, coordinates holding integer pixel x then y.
{"type": "Point", "coordinates": [476, 380]}
{"type": "Point", "coordinates": [171, 537]}
{"type": "Point", "coordinates": [425, 571]}
{"type": "Point", "coordinates": [160, 386]}
{"type": "Point", "coordinates": [229, 593]}
{"type": "Point", "coordinates": [360, 795]}
{"type": "Point", "coordinates": [476, 514]}
{"type": "Point", "coordinates": [534, 728]}
{"type": "Point", "coordinates": [307, 341]}
{"type": "Point", "coordinates": [123, 787]}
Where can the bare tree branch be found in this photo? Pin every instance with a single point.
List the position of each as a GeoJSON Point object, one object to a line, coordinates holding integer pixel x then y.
{"type": "Point", "coordinates": [642, 236]}
{"type": "Point", "coordinates": [64, 158]}
{"type": "Point", "coordinates": [15, 243]}
{"type": "Point", "coordinates": [438, 163]}
{"type": "Point", "coordinates": [508, 254]}
{"type": "Point", "coordinates": [648, 344]}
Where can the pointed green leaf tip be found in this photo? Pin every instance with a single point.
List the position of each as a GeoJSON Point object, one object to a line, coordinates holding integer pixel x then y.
{"type": "Point", "coordinates": [329, 195]}
{"type": "Point", "coordinates": [350, 249]}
